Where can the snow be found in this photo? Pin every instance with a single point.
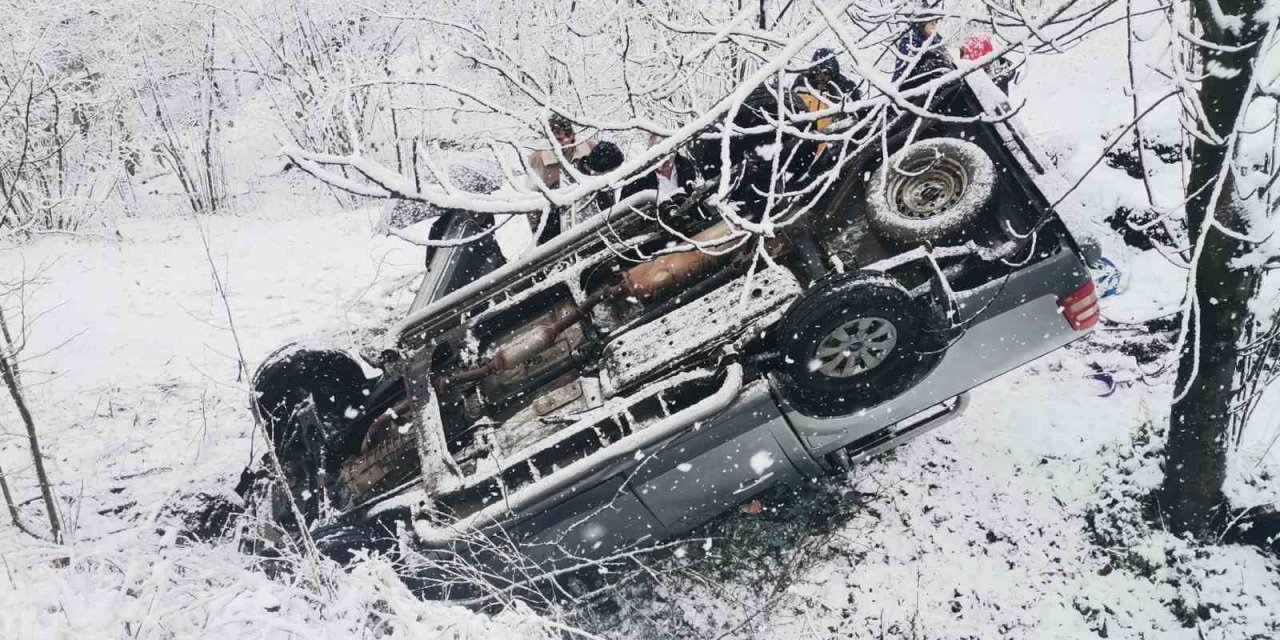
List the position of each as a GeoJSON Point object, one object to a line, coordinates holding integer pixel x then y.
{"type": "Point", "coordinates": [760, 462]}
{"type": "Point", "coordinates": [1019, 519]}
{"type": "Point", "coordinates": [144, 405]}
{"type": "Point", "coordinates": [980, 531]}
{"type": "Point", "coordinates": [976, 531]}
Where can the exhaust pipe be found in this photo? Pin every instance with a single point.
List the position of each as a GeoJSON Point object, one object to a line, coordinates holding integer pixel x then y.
{"type": "Point", "coordinates": [641, 281]}
{"type": "Point", "coordinates": [645, 280]}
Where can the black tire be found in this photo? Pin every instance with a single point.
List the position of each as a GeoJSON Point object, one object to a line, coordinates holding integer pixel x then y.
{"type": "Point", "coordinates": [890, 345]}
{"type": "Point", "coordinates": [292, 379]}
{"type": "Point", "coordinates": [929, 190]}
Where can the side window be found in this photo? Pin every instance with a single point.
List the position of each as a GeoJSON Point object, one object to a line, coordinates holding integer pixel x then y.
{"type": "Point", "coordinates": [471, 261]}
{"type": "Point", "coordinates": [451, 268]}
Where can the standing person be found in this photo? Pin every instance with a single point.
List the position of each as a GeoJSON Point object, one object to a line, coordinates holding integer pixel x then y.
{"type": "Point", "coordinates": [546, 165]}
{"type": "Point", "coordinates": [669, 178]}
{"type": "Point", "coordinates": [822, 86]}
{"type": "Point", "coordinates": [1002, 71]}
{"type": "Point", "coordinates": [921, 55]}
{"type": "Point", "coordinates": [604, 157]}
{"type": "Point", "coordinates": [675, 179]}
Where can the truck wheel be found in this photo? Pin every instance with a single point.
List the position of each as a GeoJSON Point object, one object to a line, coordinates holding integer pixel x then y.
{"type": "Point", "coordinates": [853, 342]}
{"type": "Point", "coordinates": [309, 401]}
{"type": "Point", "coordinates": [930, 189]}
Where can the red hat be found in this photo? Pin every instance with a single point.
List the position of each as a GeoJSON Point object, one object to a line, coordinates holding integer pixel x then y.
{"type": "Point", "coordinates": [975, 47]}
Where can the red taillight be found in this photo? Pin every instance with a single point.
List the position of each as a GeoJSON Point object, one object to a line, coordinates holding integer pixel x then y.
{"type": "Point", "coordinates": [1080, 307]}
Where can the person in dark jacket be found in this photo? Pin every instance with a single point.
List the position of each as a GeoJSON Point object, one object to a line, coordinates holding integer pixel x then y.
{"type": "Point", "coordinates": [603, 158]}
{"type": "Point", "coordinates": [674, 179]}
{"type": "Point", "coordinates": [822, 85]}
{"type": "Point", "coordinates": [669, 178]}
{"type": "Point", "coordinates": [921, 54]}
{"type": "Point", "coordinates": [750, 154]}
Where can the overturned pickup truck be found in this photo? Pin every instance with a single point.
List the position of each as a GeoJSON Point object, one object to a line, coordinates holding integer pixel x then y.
{"type": "Point", "coordinates": [617, 386]}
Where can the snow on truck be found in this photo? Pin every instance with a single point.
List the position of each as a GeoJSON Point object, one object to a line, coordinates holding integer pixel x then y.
{"type": "Point", "coordinates": [616, 387]}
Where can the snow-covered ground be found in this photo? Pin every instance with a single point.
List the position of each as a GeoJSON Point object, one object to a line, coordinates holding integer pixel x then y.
{"type": "Point", "coordinates": [978, 531]}
{"type": "Point", "coordinates": [1018, 520]}
{"type": "Point", "coordinates": [1021, 519]}
{"type": "Point", "coordinates": [137, 393]}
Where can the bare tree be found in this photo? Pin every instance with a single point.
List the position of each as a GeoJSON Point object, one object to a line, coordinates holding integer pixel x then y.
{"type": "Point", "coordinates": [63, 140]}
{"type": "Point", "coordinates": [8, 500]}
{"type": "Point", "coordinates": [188, 143]}
{"type": "Point", "coordinates": [681, 85]}
{"type": "Point", "coordinates": [1222, 53]}
{"type": "Point", "coordinates": [13, 341]}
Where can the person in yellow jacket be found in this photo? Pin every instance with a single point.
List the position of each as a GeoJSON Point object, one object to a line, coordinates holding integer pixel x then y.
{"type": "Point", "coordinates": [822, 86]}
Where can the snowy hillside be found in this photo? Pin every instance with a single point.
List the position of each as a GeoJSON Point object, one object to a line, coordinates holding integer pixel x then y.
{"type": "Point", "coordinates": [1023, 518]}
{"type": "Point", "coordinates": [144, 406]}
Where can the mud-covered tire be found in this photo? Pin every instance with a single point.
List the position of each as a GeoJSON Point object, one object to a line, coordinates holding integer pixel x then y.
{"type": "Point", "coordinates": [929, 190]}
{"type": "Point", "coordinates": [293, 376]}
{"type": "Point", "coordinates": [890, 344]}
{"type": "Point", "coordinates": [311, 402]}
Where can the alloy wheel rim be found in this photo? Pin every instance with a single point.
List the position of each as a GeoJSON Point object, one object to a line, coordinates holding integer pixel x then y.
{"type": "Point", "coordinates": [855, 347]}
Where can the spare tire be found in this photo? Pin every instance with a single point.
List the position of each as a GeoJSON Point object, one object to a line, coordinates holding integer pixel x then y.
{"type": "Point", "coordinates": [855, 341]}
{"type": "Point", "coordinates": [930, 189]}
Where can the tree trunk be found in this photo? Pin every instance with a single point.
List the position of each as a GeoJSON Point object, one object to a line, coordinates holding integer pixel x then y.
{"type": "Point", "coordinates": [8, 500]}
{"type": "Point", "coordinates": [1196, 452]}
{"type": "Point", "coordinates": [1191, 498]}
{"type": "Point", "coordinates": [12, 380]}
